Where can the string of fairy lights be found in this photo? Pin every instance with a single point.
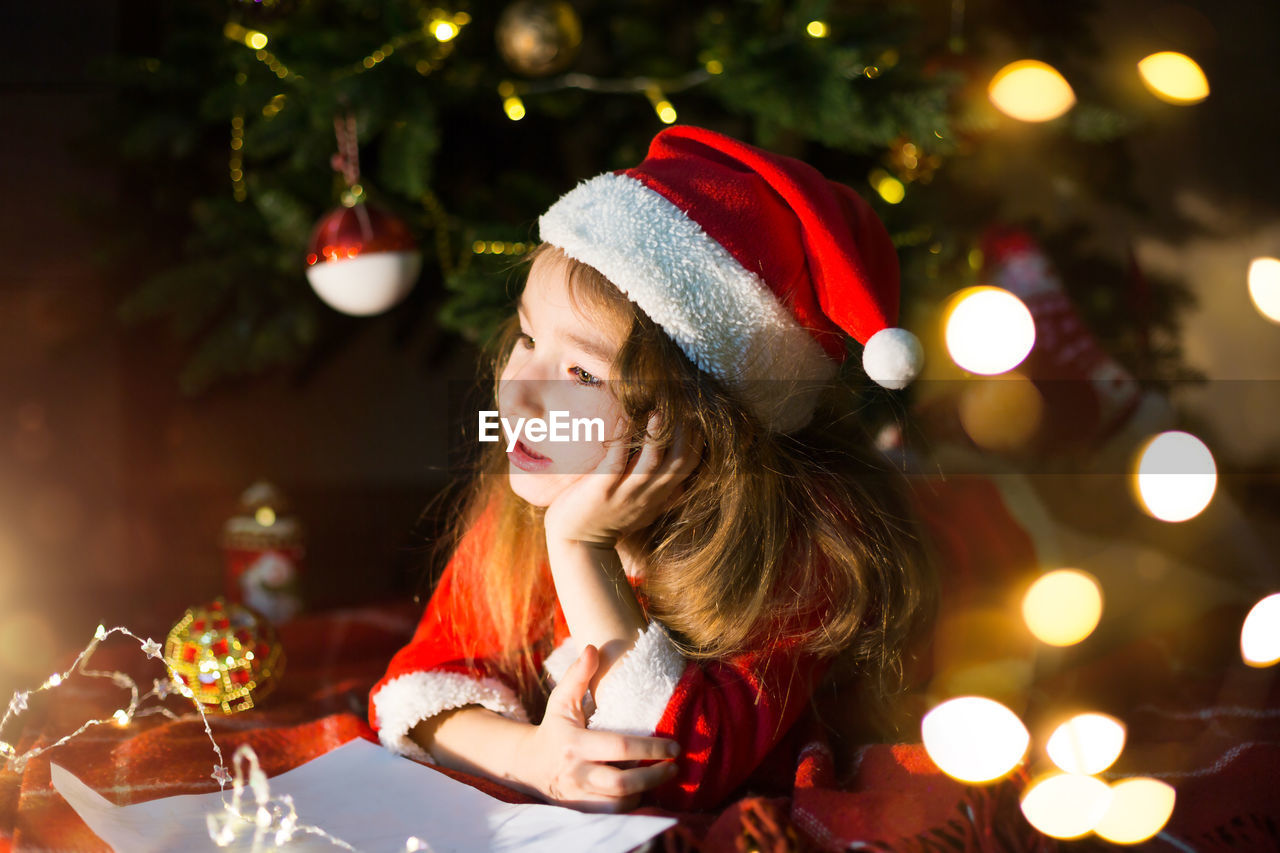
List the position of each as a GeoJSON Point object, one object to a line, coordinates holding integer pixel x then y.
{"type": "Point", "coordinates": [270, 821]}
{"type": "Point", "coordinates": [439, 29]}
{"type": "Point", "coordinates": [121, 717]}
{"type": "Point", "coordinates": [1027, 90]}
{"type": "Point", "coordinates": [267, 823]}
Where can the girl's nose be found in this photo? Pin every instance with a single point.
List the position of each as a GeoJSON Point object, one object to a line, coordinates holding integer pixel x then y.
{"type": "Point", "coordinates": [521, 392]}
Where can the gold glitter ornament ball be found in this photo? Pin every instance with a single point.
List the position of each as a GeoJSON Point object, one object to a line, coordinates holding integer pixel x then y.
{"type": "Point", "coordinates": [539, 37]}
{"type": "Point", "coordinates": [226, 656]}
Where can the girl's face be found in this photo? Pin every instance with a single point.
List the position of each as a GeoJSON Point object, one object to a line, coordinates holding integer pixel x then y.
{"type": "Point", "coordinates": [561, 363]}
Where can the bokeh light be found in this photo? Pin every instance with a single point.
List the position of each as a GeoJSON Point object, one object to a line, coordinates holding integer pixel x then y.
{"type": "Point", "coordinates": [444, 30]}
{"type": "Point", "coordinates": [1264, 287]}
{"type": "Point", "coordinates": [974, 739]}
{"type": "Point", "coordinates": [1176, 476]}
{"type": "Point", "coordinates": [1030, 90]}
{"type": "Point", "coordinates": [889, 188]}
{"type": "Point", "coordinates": [514, 108]}
{"type": "Point", "coordinates": [1086, 743]}
{"type": "Point", "coordinates": [1066, 805]}
{"type": "Point", "coordinates": [1062, 607]}
{"type": "Point", "coordinates": [1174, 77]}
{"type": "Point", "coordinates": [1140, 807]}
{"type": "Point", "coordinates": [1260, 636]}
{"type": "Point", "coordinates": [988, 330]}
{"type": "Point", "coordinates": [1001, 414]}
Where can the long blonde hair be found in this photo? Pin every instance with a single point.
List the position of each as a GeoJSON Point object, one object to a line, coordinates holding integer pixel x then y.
{"type": "Point", "coordinates": [805, 537]}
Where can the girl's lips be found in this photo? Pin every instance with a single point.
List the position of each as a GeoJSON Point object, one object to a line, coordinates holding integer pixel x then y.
{"type": "Point", "coordinates": [525, 459]}
{"type": "Point", "coordinates": [529, 452]}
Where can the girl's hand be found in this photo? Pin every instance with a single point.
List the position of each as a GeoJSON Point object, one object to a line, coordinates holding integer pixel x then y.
{"type": "Point", "coordinates": [623, 494]}
{"type": "Point", "coordinates": [565, 761]}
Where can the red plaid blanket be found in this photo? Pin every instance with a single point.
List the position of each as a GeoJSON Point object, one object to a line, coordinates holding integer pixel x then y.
{"type": "Point", "coordinates": [1214, 735]}
{"type": "Point", "coordinates": [320, 705]}
{"type": "Point", "coordinates": [1222, 758]}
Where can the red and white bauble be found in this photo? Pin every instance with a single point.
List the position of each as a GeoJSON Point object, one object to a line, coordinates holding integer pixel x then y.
{"type": "Point", "coordinates": [362, 260]}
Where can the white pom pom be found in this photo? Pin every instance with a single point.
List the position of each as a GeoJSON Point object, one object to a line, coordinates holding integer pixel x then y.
{"type": "Point", "coordinates": [893, 357]}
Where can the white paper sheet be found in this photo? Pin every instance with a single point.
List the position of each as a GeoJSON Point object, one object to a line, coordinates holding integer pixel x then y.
{"type": "Point", "coordinates": [374, 801]}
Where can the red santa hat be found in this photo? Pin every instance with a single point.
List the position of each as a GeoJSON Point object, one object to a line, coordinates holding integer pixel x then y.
{"type": "Point", "coordinates": [752, 262]}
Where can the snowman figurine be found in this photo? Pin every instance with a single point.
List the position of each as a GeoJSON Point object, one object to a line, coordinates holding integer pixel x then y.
{"type": "Point", "coordinates": [264, 547]}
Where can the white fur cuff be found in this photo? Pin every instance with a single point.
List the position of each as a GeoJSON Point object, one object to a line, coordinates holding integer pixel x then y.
{"type": "Point", "coordinates": [405, 701]}
{"type": "Point", "coordinates": [633, 696]}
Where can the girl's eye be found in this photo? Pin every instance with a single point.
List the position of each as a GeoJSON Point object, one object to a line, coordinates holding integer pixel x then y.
{"type": "Point", "coordinates": [584, 378]}
{"type": "Point", "coordinates": [525, 340]}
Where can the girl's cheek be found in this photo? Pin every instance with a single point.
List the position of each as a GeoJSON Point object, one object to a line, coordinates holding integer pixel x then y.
{"type": "Point", "coordinates": [579, 458]}
{"type": "Point", "coordinates": [512, 367]}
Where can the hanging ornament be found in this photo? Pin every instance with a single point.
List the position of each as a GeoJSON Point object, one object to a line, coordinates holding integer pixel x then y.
{"type": "Point", "coordinates": [539, 37]}
{"type": "Point", "coordinates": [264, 548]}
{"type": "Point", "coordinates": [362, 260]}
{"type": "Point", "coordinates": [226, 656]}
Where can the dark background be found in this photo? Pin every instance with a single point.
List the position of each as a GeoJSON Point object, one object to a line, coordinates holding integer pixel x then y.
{"type": "Point", "coordinates": [113, 485]}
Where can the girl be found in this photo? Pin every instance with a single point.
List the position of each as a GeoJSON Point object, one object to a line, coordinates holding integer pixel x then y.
{"type": "Point", "coordinates": [721, 547]}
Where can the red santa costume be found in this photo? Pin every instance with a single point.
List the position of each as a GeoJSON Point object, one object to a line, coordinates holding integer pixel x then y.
{"type": "Point", "coordinates": [728, 715]}
{"type": "Point", "coordinates": [753, 264]}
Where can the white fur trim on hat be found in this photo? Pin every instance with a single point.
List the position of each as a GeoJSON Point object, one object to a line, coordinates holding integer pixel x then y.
{"type": "Point", "coordinates": [721, 315]}
{"type": "Point", "coordinates": [407, 700]}
{"type": "Point", "coordinates": [634, 694]}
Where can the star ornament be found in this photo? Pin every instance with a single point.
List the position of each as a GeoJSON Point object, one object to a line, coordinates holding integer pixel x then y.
{"type": "Point", "coordinates": [221, 775]}
{"type": "Point", "coordinates": [151, 648]}
{"type": "Point", "coordinates": [19, 703]}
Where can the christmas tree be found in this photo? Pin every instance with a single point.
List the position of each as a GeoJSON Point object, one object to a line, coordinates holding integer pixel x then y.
{"type": "Point", "coordinates": [466, 122]}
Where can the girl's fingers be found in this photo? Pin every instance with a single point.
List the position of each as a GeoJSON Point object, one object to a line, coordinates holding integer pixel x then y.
{"type": "Point", "coordinates": [658, 473]}
{"type": "Point", "coordinates": [651, 455]}
{"type": "Point", "coordinates": [595, 745]}
{"type": "Point", "coordinates": [578, 677]}
{"type": "Point", "coordinates": [615, 459]}
{"type": "Point", "coordinates": [608, 805]}
{"type": "Point", "coordinates": [680, 462]}
{"type": "Point", "coordinates": [615, 782]}
{"type": "Point", "coordinates": [585, 665]}
{"type": "Point", "coordinates": [690, 456]}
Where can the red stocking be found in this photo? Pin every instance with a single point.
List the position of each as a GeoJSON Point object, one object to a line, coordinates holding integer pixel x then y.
{"type": "Point", "coordinates": [1088, 396]}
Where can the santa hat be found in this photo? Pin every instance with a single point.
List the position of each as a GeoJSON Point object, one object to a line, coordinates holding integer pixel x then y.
{"type": "Point", "coordinates": [752, 262]}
